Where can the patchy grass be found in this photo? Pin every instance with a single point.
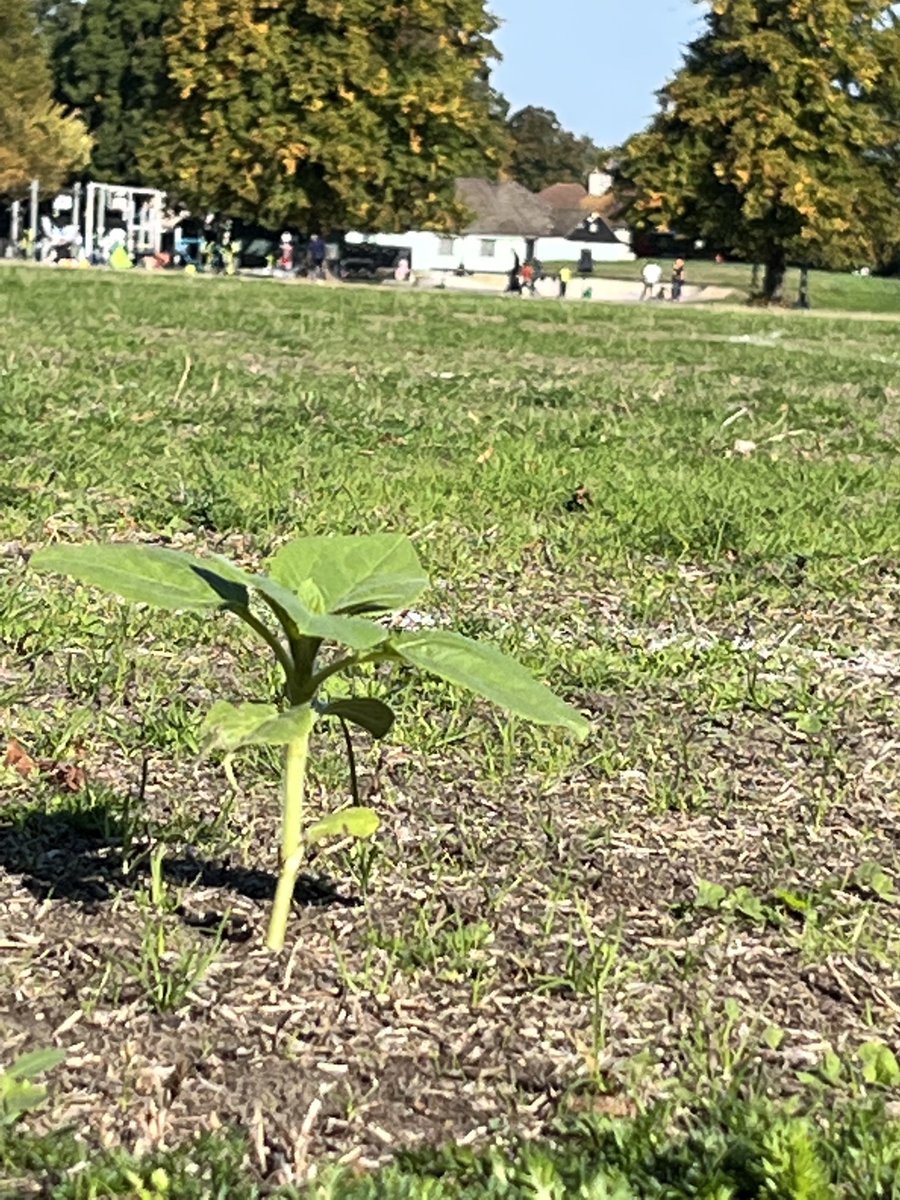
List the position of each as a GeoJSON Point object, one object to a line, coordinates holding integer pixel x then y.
{"type": "Point", "coordinates": [685, 521]}
{"type": "Point", "coordinates": [720, 1147]}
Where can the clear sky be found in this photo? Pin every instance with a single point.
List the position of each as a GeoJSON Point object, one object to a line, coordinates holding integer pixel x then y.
{"type": "Point", "coordinates": [596, 63]}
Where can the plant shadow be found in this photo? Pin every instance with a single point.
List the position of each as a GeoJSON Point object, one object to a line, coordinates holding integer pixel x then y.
{"type": "Point", "coordinates": [83, 854]}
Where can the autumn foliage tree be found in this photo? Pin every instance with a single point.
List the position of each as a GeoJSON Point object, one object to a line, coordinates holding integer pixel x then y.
{"type": "Point", "coordinates": [38, 138]}
{"type": "Point", "coordinates": [774, 141]}
{"type": "Point", "coordinates": [321, 113]}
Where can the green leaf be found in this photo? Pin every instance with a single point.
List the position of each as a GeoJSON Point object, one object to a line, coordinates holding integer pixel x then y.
{"type": "Point", "coordinates": [152, 575]}
{"type": "Point", "coordinates": [486, 671]}
{"type": "Point", "coordinates": [879, 1064]}
{"type": "Point", "coordinates": [349, 822]}
{"type": "Point", "coordinates": [709, 895]}
{"type": "Point", "coordinates": [27, 1066]}
{"type": "Point", "coordinates": [229, 726]}
{"type": "Point", "coordinates": [746, 902]}
{"type": "Point", "coordinates": [376, 573]}
{"type": "Point", "coordinates": [354, 632]}
{"type": "Point", "coordinates": [871, 876]}
{"type": "Point", "coordinates": [773, 1036]}
{"type": "Point", "coordinates": [18, 1094]}
{"type": "Point", "coordinates": [806, 722]}
{"type": "Point", "coordinates": [830, 1067]}
{"type": "Point", "coordinates": [370, 714]}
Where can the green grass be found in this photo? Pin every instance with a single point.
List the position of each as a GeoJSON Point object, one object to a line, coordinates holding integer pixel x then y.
{"type": "Point", "coordinates": [702, 897]}
{"type": "Point", "coordinates": [723, 1148]}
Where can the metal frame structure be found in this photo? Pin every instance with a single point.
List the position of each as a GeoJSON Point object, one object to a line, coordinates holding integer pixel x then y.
{"type": "Point", "coordinates": [142, 216]}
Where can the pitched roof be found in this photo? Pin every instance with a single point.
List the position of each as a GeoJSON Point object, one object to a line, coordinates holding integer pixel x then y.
{"type": "Point", "coordinates": [503, 208]}
{"type": "Point", "coordinates": [564, 195]}
{"type": "Point", "coordinates": [611, 208]}
{"type": "Point", "coordinates": [576, 211]}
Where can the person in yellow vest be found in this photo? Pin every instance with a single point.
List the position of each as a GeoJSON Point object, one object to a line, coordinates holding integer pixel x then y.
{"type": "Point", "coordinates": [120, 259]}
{"type": "Point", "coordinates": [565, 277]}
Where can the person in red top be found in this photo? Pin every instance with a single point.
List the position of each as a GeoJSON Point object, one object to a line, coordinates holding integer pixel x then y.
{"type": "Point", "coordinates": [528, 277]}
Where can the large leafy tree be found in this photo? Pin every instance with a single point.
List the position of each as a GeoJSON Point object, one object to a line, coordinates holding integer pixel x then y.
{"type": "Point", "coordinates": [38, 138]}
{"type": "Point", "coordinates": [111, 63]}
{"type": "Point", "coordinates": [773, 140]}
{"type": "Point", "coordinates": [58, 19]}
{"type": "Point", "coordinates": [319, 113]}
{"type": "Point", "coordinates": [544, 153]}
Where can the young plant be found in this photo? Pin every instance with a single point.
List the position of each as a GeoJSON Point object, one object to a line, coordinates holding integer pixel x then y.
{"type": "Point", "coordinates": [319, 590]}
{"type": "Point", "coordinates": [18, 1093]}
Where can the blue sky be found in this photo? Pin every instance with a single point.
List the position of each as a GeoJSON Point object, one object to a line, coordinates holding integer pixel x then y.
{"type": "Point", "coordinates": [596, 63]}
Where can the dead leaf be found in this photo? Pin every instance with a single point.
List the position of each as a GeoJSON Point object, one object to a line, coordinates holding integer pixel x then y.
{"type": "Point", "coordinates": [68, 776]}
{"type": "Point", "coordinates": [485, 455]}
{"type": "Point", "coordinates": [606, 1105]}
{"type": "Point", "coordinates": [18, 758]}
{"type": "Point", "coordinates": [745, 447]}
{"type": "Point", "coordinates": [579, 501]}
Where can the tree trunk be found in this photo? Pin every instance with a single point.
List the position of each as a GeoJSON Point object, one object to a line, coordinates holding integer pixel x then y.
{"type": "Point", "coordinates": [773, 283]}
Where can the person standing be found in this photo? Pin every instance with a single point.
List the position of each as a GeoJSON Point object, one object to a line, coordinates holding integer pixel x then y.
{"type": "Point", "coordinates": [565, 278]}
{"type": "Point", "coordinates": [677, 278]}
{"type": "Point", "coordinates": [286, 254]}
{"type": "Point", "coordinates": [528, 277]}
{"type": "Point", "coordinates": [650, 277]}
{"type": "Point", "coordinates": [317, 254]}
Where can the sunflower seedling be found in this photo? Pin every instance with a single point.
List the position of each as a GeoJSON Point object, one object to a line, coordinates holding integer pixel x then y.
{"type": "Point", "coordinates": [319, 591]}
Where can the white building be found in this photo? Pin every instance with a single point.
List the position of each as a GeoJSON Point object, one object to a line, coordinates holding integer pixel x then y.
{"type": "Point", "coordinates": [580, 223]}
{"type": "Point", "coordinates": [508, 222]}
{"type": "Point", "coordinates": [511, 223]}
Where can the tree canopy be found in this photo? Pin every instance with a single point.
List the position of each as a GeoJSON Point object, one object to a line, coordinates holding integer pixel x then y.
{"type": "Point", "coordinates": [111, 64]}
{"type": "Point", "coordinates": [316, 113]}
{"type": "Point", "coordinates": [38, 138]}
{"type": "Point", "coordinates": [776, 138]}
{"type": "Point", "coordinates": [544, 153]}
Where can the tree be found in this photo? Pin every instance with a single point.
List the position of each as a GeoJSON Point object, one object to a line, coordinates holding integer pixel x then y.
{"type": "Point", "coordinates": [112, 64]}
{"type": "Point", "coordinates": [38, 138]}
{"type": "Point", "coordinates": [544, 153]}
{"type": "Point", "coordinates": [322, 114]}
{"type": "Point", "coordinates": [770, 141]}
{"type": "Point", "coordinates": [57, 19]}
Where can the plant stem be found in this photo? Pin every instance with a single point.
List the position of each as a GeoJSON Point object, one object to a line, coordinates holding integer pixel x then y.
{"type": "Point", "coordinates": [291, 833]}
{"type": "Point", "coordinates": [269, 638]}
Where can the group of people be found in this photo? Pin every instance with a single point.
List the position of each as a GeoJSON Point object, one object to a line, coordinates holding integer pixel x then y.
{"type": "Point", "coordinates": [653, 288]}
{"type": "Point", "coordinates": [524, 277]}
{"type": "Point", "coordinates": [316, 256]}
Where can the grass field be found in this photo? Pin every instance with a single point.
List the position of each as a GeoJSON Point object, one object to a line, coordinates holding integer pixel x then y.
{"type": "Point", "coordinates": [651, 951]}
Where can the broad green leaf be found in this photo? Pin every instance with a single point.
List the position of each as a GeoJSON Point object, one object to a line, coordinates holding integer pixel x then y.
{"type": "Point", "coordinates": [229, 726]}
{"type": "Point", "coordinates": [486, 671]}
{"type": "Point", "coordinates": [18, 1094]}
{"type": "Point", "coordinates": [26, 1066]}
{"type": "Point", "coordinates": [18, 1097]}
{"type": "Point", "coordinates": [152, 575]}
{"type": "Point", "coordinates": [709, 895]}
{"type": "Point", "coordinates": [879, 1064]}
{"type": "Point", "coordinates": [354, 632]}
{"type": "Point", "coordinates": [370, 714]}
{"type": "Point", "coordinates": [374, 573]}
{"type": "Point", "coordinates": [349, 822]}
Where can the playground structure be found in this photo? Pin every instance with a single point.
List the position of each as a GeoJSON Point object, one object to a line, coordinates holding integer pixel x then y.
{"type": "Point", "coordinates": [140, 218]}
{"type": "Point", "coordinates": [87, 222]}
